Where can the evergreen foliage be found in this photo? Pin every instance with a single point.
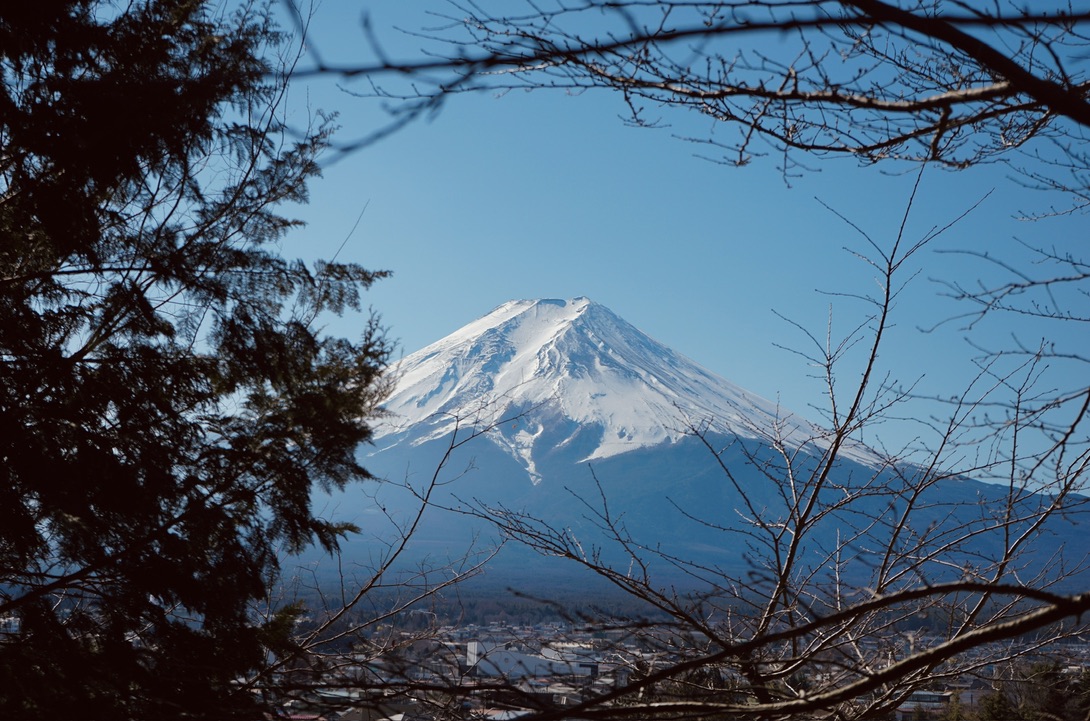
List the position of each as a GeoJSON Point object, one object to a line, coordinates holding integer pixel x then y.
{"type": "Point", "coordinates": [167, 399]}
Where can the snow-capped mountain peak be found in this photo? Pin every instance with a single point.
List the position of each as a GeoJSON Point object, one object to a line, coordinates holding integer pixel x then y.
{"type": "Point", "coordinates": [569, 373]}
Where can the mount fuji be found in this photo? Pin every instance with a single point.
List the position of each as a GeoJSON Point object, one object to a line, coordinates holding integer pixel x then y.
{"type": "Point", "coordinates": [551, 407]}
{"type": "Point", "coordinates": [570, 374]}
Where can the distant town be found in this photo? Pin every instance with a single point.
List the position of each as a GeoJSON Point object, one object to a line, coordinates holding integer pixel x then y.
{"type": "Point", "coordinates": [499, 671]}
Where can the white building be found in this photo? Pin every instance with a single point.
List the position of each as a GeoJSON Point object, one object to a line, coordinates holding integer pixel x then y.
{"type": "Point", "coordinates": [512, 661]}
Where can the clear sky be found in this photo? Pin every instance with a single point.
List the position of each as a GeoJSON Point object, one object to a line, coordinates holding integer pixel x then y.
{"type": "Point", "coordinates": [544, 194]}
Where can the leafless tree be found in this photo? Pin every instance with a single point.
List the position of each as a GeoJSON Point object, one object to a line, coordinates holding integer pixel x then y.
{"type": "Point", "coordinates": [816, 628]}
{"type": "Point", "coordinates": [867, 579]}
{"type": "Point", "coordinates": [955, 83]}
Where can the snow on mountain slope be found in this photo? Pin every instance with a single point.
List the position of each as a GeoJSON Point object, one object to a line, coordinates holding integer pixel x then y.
{"type": "Point", "coordinates": [566, 368]}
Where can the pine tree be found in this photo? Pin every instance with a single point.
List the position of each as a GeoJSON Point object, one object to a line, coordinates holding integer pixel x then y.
{"type": "Point", "coordinates": [167, 400]}
{"type": "Point", "coordinates": [997, 707]}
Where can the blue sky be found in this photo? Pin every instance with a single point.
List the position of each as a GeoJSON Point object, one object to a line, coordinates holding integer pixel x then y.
{"type": "Point", "coordinates": [545, 194]}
